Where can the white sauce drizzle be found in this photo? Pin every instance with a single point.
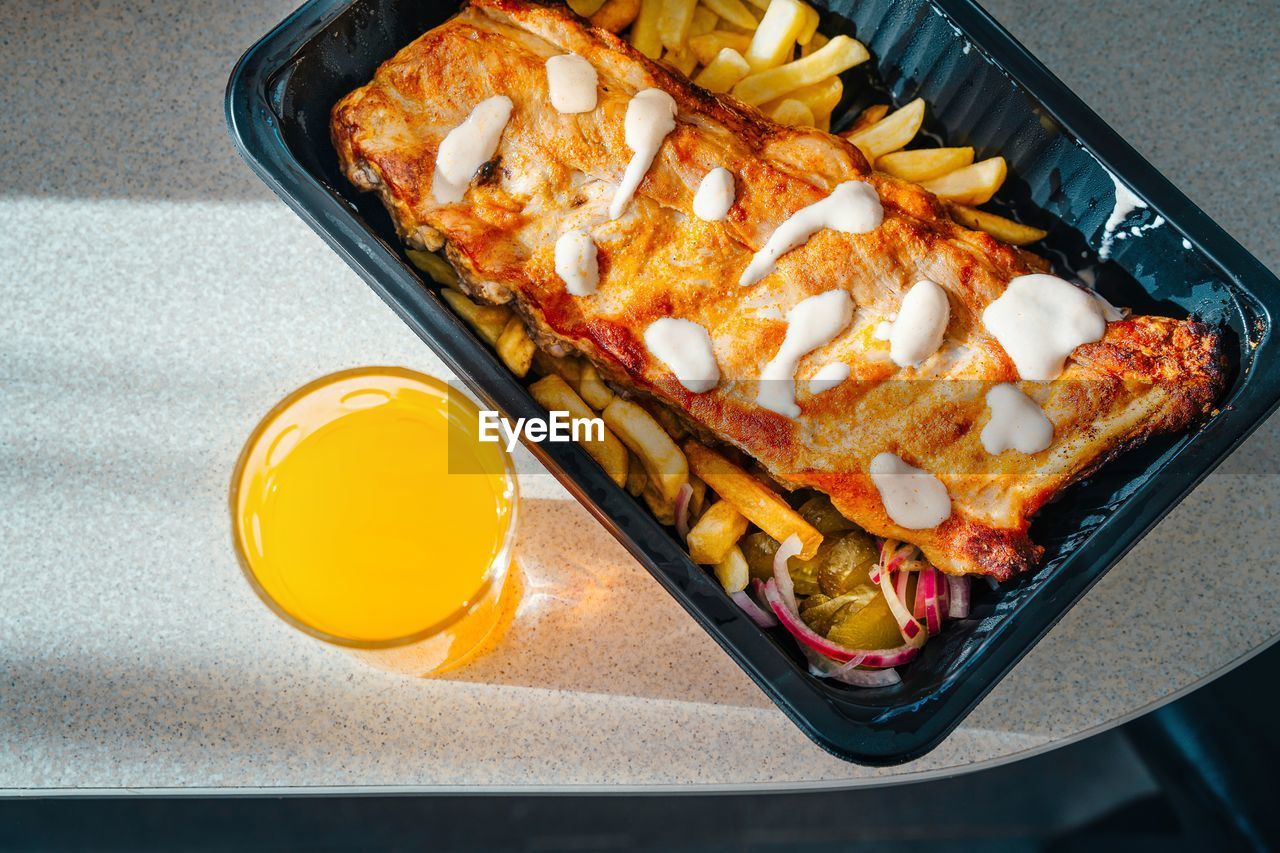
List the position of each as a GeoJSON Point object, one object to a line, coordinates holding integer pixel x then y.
{"type": "Point", "coordinates": [811, 323]}
{"type": "Point", "coordinates": [829, 376]}
{"type": "Point", "coordinates": [921, 324]}
{"type": "Point", "coordinates": [883, 330]}
{"type": "Point", "coordinates": [852, 208]}
{"type": "Point", "coordinates": [1040, 320]}
{"type": "Point", "coordinates": [684, 347]}
{"type": "Point", "coordinates": [1126, 203]}
{"type": "Point", "coordinates": [468, 147]}
{"type": "Point", "coordinates": [714, 196]}
{"type": "Point", "coordinates": [571, 83]}
{"type": "Point", "coordinates": [913, 498]}
{"type": "Point", "coordinates": [576, 262]}
{"type": "Point", "coordinates": [651, 115]}
{"type": "Point", "coordinates": [1017, 422]}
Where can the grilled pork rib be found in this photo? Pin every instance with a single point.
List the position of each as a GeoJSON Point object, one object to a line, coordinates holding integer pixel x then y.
{"type": "Point", "coordinates": [555, 172]}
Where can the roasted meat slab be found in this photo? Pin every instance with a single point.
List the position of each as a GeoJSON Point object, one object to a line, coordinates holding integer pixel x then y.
{"type": "Point", "coordinates": [553, 172]}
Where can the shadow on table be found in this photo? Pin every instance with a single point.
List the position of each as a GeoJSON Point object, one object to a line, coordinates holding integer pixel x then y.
{"type": "Point", "coordinates": [125, 100]}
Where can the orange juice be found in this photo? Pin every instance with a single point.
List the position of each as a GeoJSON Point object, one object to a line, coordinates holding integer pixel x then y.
{"type": "Point", "coordinates": [367, 512]}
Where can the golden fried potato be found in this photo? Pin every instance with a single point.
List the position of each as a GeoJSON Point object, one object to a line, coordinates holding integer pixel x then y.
{"type": "Point", "coordinates": [555, 395]}
{"type": "Point", "coordinates": [760, 504]}
{"type": "Point", "coordinates": [890, 133]}
{"type": "Point", "coordinates": [675, 22]}
{"type": "Point", "coordinates": [732, 571]}
{"type": "Point", "coordinates": [515, 347]}
{"type": "Point", "coordinates": [719, 529]}
{"type": "Point", "coordinates": [924, 164]}
{"type": "Point", "coordinates": [971, 185]}
{"type": "Point", "coordinates": [663, 462]}
{"type": "Point", "coordinates": [836, 56]}
{"type": "Point", "coordinates": [1000, 227]}
{"type": "Point", "coordinates": [774, 40]}
{"type": "Point", "coordinates": [616, 15]}
{"type": "Point", "coordinates": [792, 113]}
{"type": "Point", "coordinates": [645, 36]}
{"type": "Point", "coordinates": [437, 268]}
{"type": "Point", "coordinates": [723, 72]}
{"type": "Point", "coordinates": [708, 46]}
{"type": "Point", "coordinates": [592, 388]}
{"type": "Point", "coordinates": [488, 320]}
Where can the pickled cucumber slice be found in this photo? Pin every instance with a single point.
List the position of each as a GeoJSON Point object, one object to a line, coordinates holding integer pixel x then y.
{"type": "Point", "coordinates": [819, 512]}
{"type": "Point", "coordinates": [870, 627]}
{"type": "Point", "coordinates": [823, 616]}
{"type": "Point", "coordinates": [847, 563]}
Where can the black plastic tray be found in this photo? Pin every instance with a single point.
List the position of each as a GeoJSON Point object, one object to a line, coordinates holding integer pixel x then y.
{"type": "Point", "coordinates": [983, 89]}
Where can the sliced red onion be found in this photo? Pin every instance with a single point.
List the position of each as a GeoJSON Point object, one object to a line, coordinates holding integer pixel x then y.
{"type": "Point", "coordinates": [758, 615]}
{"type": "Point", "coordinates": [683, 495]}
{"type": "Point", "coordinates": [810, 638]}
{"type": "Point", "coordinates": [917, 606]}
{"type": "Point", "coordinates": [932, 612]}
{"type": "Point", "coordinates": [912, 631]}
{"type": "Point", "coordinates": [849, 673]}
{"type": "Point", "coordinates": [958, 607]}
{"type": "Point", "coordinates": [944, 595]}
{"type": "Point", "coordinates": [900, 584]}
{"type": "Point", "coordinates": [788, 549]}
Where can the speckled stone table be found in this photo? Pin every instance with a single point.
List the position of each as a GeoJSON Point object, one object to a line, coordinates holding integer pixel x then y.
{"type": "Point", "coordinates": [155, 300]}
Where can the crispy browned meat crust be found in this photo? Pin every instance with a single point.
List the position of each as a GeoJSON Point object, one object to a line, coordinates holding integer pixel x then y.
{"type": "Point", "coordinates": [554, 172]}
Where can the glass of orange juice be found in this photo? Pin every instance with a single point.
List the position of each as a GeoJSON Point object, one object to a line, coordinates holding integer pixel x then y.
{"type": "Point", "coordinates": [366, 512]}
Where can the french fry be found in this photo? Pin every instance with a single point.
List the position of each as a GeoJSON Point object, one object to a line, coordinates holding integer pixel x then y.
{"type": "Point", "coordinates": [762, 5]}
{"type": "Point", "coordinates": [662, 507]}
{"type": "Point", "coordinates": [836, 56]}
{"type": "Point", "coordinates": [719, 529]}
{"type": "Point", "coordinates": [760, 504]}
{"type": "Point", "coordinates": [645, 36]}
{"type": "Point", "coordinates": [1000, 227]}
{"type": "Point", "coordinates": [566, 367]}
{"type": "Point", "coordinates": [674, 23]}
{"type": "Point", "coordinates": [707, 47]}
{"type": "Point", "coordinates": [924, 163]}
{"type": "Point", "coordinates": [733, 571]}
{"type": "Point", "coordinates": [515, 347]}
{"type": "Point", "coordinates": [704, 20]}
{"type": "Point", "coordinates": [723, 72]}
{"type": "Point", "coordinates": [775, 39]}
{"type": "Point", "coordinates": [637, 479]}
{"type": "Point", "coordinates": [585, 8]}
{"type": "Point", "coordinates": [437, 268]}
{"type": "Point", "coordinates": [681, 60]}
{"type": "Point", "coordinates": [616, 15]}
{"type": "Point", "coordinates": [699, 497]}
{"type": "Point", "coordinates": [867, 117]}
{"type": "Point", "coordinates": [792, 113]}
{"type": "Point", "coordinates": [663, 462]}
{"type": "Point", "coordinates": [810, 28]}
{"type": "Point", "coordinates": [592, 388]}
{"type": "Point", "coordinates": [732, 11]}
{"type": "Point", "coordinates": [555, 395]}
{"type": "Point", "coordinates": [487, 320]}
{"type": "Point", "coordinates": [822, 97]}
{"type": "Point", "coordinates": [892, 132]}
{"type": "Point", "coordinates": [971, 185]}
{"type": "Point", "coordinates": [813, 45]}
